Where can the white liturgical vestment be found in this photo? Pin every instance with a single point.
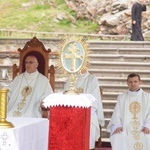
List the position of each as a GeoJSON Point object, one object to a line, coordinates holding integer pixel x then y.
{"type": "Point", "coordinates": [132, 113]}
{"type": "Point", "coordinates": [26, 93]}
{"type": "Point", "coordinates": [89, 84]}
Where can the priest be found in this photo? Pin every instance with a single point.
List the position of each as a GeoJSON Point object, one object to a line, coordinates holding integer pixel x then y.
{"type": "Point", "coordinates": [88, 83]}
{"type": "Point", "coordinates": [129, 126]}
{"type": "Point", "coordinates": [27, 91]}
{"type": "Point", "coordinates": [136, 13]}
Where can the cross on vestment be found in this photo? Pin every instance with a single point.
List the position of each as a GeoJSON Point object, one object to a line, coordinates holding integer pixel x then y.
{"type": "Point", "coordinates": [26, 89]}
{"type": "Point", "coordinates": [73, 55]}
{"type": "Point", "coordinates": [4, 137]}
{"type": "Point", "coordinates": [135, 109]}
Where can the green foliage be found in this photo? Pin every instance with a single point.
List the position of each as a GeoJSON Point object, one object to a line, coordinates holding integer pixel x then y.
{"type": "Point", "coordinates": [71, 12]}
{"type": "Point", "coordinates": [59, 2]}
{"type": "Point", "coordinates": [41, 17]}
{"type": "Point", "coordinates": [65, 22]}
{"type": "Point", "coordinates": [38, 7]}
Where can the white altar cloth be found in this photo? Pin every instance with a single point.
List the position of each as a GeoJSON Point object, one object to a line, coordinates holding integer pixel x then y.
{"type": "Point", "coordinates": [76, 100]}
{"type": "Point", "coordinates": [28, 134]}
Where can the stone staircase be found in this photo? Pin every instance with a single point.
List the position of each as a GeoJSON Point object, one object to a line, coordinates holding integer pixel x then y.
{"type": "Point", "coordinates": [110, 61]}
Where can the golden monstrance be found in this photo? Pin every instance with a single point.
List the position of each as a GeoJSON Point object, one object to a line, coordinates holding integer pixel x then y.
{"type": "Point", "coordinates": [73, 59]}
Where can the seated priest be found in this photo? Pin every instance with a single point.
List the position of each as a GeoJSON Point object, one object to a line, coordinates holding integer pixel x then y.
{"type": "Point", "coordinates": [129, 126]}
{"type": "Point", "coordinates": [88, 83]}
{"type": "Point", "coordinates": [27, 91]}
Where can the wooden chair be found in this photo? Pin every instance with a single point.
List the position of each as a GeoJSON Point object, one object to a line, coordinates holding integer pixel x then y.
{"type": "Point", "coordinates": [36, 48]}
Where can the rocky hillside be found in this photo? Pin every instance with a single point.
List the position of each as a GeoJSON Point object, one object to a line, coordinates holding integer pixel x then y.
{"type": "Point", "coordinates": [113, 16]}
{"type": "Point", "coordinates": [100, 17]}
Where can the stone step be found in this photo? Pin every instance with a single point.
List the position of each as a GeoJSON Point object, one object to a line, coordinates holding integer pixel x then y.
{"type": "Point", "coordinates": [110, 95]}
{"type": "Point", "coordinates": [122, 78]}
{"type": "Point", "coordinates": [108, 112]}
{"type": "Point", "coordinates": [106, 122]}
{"type": "Point", "coordinates": [100, 55]}
{"type": "Point", "coordinates": [117, 80]}
{"type": "Point", "coordinates": [119, 87]}
{"type": "Point", "coordinates": [118, 44]}
{"type": "Point", "coordinates": [120, 58]}
{"type": "Point", "coordinates": [106, 139]}
{"type": "Point", "coordinates": [109, 101]}
{"type": "Point", "coordinates": [122, 50]}
{"type": "Point", "coordinates": [122, 65]}
{"type": "Point", "coordinates": [109, 104]}
{"type": "Point", "coordinates": [118, 72]}
{"type": "Point", "coordinates": [105, 134]}
{"type": "Point", "coordinates": [122, 53]}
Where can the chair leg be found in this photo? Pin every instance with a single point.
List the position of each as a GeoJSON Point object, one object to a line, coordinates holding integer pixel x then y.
{"type": "Point", "coordinates": [98, 143]}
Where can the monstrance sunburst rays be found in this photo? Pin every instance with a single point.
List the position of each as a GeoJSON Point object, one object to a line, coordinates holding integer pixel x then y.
{"type": "Point", "coordinates": [73, 58]}
{"type": "Point", "coordinates": [64, 42]}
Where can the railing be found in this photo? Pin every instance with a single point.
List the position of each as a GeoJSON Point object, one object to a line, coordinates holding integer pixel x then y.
{"type": "Point", "coordinates": [24, 34]}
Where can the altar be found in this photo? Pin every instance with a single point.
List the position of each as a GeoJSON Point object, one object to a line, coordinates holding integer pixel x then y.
{"type": "Point", "coordinates": [28, 134]}
{"type": "Point", "coordinates": [69, 127]}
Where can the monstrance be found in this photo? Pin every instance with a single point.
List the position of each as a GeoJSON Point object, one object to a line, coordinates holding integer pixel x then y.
{"type": "Point", "coordinates": [73, 59]}
{"type": "Point", "coordinates": [4, 84]}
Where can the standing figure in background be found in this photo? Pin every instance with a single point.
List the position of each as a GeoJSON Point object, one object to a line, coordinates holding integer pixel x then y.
{"type": "Point", "coordinates": [136, 13]}
{"type": "Point", "coordinates": [27, 91]}
{"type": "Point", "coordinates": [88, 83]}
{"type": "Point", "coordinates": [129, 126]}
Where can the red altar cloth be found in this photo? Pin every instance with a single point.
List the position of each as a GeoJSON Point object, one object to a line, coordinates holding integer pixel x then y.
{"type": "Point", "coordinates": [69, 128]}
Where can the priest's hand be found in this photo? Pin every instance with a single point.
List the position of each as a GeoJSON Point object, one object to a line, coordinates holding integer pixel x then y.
{"type": "Point", "coordinates": [146, 130]}
{"type": "Point", "coordinates": [118, 130]}
{"type": "Point", "coordinates": [43, 107]}
{"type": "Point", "coordinates": [134, 22]}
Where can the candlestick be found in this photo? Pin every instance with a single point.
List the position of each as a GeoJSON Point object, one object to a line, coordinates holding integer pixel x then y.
{"type": "Point", "coordinates": [3, 109]}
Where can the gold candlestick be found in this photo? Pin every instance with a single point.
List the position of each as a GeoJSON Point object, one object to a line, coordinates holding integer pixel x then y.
{"type": "Point", "coordinates": [3, 109]}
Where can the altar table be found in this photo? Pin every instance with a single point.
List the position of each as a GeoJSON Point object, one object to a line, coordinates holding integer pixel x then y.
{"type": "Point", "coordinates": [28, 134]}
{"type": "Point", "coordinates": [69, 121]}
